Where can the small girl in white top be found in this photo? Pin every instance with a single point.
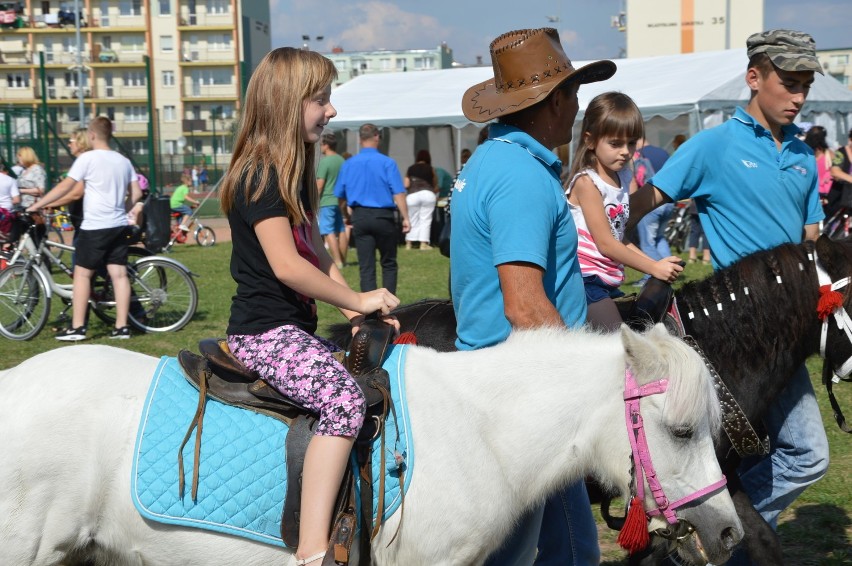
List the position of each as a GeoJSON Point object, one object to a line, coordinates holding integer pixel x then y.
{"type": "Point", "coordinates": [598, 196]}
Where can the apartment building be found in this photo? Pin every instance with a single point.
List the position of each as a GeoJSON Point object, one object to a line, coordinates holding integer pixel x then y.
{"type": "Point", "coordinates": [838, 64]}
{"type": "Point", "coordinates": [351, 64]}
{"type": "Point", "coordinates": [201, 54]}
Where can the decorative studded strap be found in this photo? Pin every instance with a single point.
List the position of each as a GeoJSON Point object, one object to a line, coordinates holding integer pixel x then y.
{"type": "Point", "coordinates": [744, 438]}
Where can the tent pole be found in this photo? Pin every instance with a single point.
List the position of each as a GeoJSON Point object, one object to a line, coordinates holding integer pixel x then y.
{"type": "Point", "coordinates": [458, 148]}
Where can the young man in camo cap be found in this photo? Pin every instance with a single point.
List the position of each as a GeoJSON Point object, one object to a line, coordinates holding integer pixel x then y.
{"type": "Point", "coordinates": [755, 186]}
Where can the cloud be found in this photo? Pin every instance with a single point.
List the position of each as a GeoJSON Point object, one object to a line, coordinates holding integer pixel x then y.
{"type": "Point", "coordinates": [354, 26]}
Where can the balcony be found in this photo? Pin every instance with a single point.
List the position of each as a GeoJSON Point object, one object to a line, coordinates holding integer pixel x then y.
{"type": "Point", "coordinates": [203, 55]}
{"type": "Point", "coordinates": [197, 91]}
{"type": "Point", "coordinates": [16, 57]}
{"type": "Point", "coordinates": [190, 22]}
{"type": "Point", "coordinates": [206, 125]}
{"type": "Point", "coordinates": [132, 127]}
{"type": "Point", "coordinates": [8, 94]}
{"type": "Point", "coordinates": [121, 92]}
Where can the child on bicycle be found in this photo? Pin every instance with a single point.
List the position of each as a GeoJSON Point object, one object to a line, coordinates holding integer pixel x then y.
{"type": "Point", "coordinates": [178, 201]}
{"type": "Point", "coordinates": [281, 266]}
{"type": "Point", "coordinates": [598, 194]}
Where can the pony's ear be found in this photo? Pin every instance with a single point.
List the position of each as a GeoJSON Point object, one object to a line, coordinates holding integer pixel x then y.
{"type": "Point", "coordinates": [638, 349]}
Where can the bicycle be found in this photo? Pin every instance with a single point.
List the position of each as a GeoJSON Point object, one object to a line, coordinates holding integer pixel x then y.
{"type": "Point", "coordinates": [164, 295]}
{"type": "Point", "coordinates": [677, 229]}
{"type": "Point", "coordinates": [204, 235]}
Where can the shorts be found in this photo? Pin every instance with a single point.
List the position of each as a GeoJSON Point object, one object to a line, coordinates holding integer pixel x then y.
{"type": "Point", "coordinates": [105, 246]}
{"type": "Point", "coordinates": [330, 220]}
{"type": "Point", "coordinates": [597, 290]}
{"type": "Point", "coordinates": [183, 209]}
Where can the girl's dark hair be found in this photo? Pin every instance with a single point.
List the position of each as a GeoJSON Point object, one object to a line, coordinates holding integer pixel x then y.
{"type": "Point", "coordinates": [611, 114]}
{"type": "Point", "coordinates": [816, 138]}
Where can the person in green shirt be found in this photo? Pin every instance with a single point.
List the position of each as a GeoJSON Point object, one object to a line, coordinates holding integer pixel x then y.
{"type": "Point", "coordinates": [331, 226]}
{"type": "Point", "coordinates": [178, 201]}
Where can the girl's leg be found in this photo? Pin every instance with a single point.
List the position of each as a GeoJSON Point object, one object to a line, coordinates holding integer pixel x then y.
{"type": "Point", "coordinates": [325, 462]}
{"type": "Point", "coordinates": [301, 367]}
{"type": "Point", "coordinates": [603, 315]}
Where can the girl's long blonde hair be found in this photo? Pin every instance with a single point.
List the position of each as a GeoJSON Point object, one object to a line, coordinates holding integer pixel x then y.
{"type": "Point", "coordinates": [269, 140]}
{"type": "Point", "coordinates": [609, 115]}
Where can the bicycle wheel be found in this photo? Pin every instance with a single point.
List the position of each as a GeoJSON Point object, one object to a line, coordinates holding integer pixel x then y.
{"type": "Point", "coordinates": [103, 299]}
{"type": "Point", "coordinates": [57, 235]}
{"type": "Point", "coordinates": [24, 303]}
{"type": "Point", "coordinates": [166, 292]}
{"type": "Point", "coordinates": [205, 236]}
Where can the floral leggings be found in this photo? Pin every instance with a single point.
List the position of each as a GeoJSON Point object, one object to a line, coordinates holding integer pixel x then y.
{"type": "Point", "coordinates": [300, 366]}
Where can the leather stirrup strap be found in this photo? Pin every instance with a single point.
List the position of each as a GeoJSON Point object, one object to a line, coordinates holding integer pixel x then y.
{"type": "Point", "coordinates": [298, 438]}
{"type": "Point", "coordinates": [197, 422]}
{"type": "Point", "coordinates": [343, 529]}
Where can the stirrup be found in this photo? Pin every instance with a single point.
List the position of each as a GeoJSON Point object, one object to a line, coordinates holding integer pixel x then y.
{"type": "Point", "coordinates": [310, 559]}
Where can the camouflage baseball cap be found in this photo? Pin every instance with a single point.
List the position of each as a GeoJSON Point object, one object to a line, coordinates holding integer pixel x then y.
{"type": "Point", "coordinates": [787, 49]}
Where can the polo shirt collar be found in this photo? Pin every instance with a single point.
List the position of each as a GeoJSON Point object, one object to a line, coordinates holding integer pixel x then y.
{"type": "Point", "coordinates": [744, 117]}
{"type": "Point", "coordinates": [512, 134]}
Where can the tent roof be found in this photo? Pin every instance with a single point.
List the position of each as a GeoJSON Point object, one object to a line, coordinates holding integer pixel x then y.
{"type": "Point", "coordinates": [666, 86]}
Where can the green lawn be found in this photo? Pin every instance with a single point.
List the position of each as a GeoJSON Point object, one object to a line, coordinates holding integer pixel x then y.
{"type": "Point", "coordinates": [816, 530]}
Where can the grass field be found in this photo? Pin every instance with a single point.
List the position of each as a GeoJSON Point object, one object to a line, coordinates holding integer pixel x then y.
{"type": "Point", "coordinates": [816, 530]}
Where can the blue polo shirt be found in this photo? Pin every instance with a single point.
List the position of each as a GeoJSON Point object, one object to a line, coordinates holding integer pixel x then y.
{"type": "Point", "coordinates": [369, 179]}
{"type": "Point", "coordinates": [750, 196]}
{"type": "Point", "coordinates": [508, 205]}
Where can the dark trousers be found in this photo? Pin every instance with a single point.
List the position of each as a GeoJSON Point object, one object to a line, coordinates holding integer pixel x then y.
{"type": "Point", "coordinates": [375, 229]}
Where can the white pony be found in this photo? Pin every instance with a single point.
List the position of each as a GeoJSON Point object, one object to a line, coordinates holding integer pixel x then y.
{"type": "Point", "coordinates": [496, 431]}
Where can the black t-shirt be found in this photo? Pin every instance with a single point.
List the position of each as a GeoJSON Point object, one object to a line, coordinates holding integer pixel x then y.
{"type": "Point", "coordinates": [423, 171]}
{"type": "Point", "coordinates": [262, 301]}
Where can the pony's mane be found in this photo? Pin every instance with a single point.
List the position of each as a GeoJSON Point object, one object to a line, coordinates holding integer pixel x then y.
{"type": "Point", "coordinates": [745, 304]}
{"type": "Point", "coordinates": [690, 395]}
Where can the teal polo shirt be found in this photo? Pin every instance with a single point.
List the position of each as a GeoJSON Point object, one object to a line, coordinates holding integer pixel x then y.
{"type": "Point", "coordinates": [750, 196]}
{"type": "Point", "coordinates": [508, 205]}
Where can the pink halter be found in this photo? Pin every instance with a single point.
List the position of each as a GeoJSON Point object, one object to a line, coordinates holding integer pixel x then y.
{"type": "Point", "coordinates": [642, 456]}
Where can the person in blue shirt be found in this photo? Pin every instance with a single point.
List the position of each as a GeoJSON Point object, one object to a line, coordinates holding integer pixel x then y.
{"type": "Point", "coordinates": [755, 185]}
{"type": "Point", "coordinates": [371, 186]}
{"type": "Point", "coordinates": [513, 259]}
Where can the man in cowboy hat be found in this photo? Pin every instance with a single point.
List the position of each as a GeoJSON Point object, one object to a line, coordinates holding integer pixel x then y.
{"type": "Point", "coordinates": [514, 244]}
{"type": "Point", "coordinates": [755, 185]}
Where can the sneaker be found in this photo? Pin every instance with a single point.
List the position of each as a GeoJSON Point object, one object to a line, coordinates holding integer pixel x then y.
{"type": "Point", "coordinates": [72, 334]}
{"type": "Point", "coordinates": [122, 333]}
{"type": "Point", "coordinates": [184, 228]}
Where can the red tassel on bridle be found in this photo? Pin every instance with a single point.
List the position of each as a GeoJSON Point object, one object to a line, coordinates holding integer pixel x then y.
{"type": "Point", "coordinates": [829, 301]}
{"type": "Point", "coordinates": [634, 534]}
{"type": "Point", "coordinates": [406, 338]}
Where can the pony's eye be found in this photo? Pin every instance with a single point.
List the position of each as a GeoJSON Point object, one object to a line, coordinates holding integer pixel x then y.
{"type": "Point", "coordinates": [682, 431]}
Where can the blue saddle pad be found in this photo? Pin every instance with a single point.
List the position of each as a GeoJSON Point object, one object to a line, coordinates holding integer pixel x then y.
{"type": "Point", "coordinates": [242, 473]}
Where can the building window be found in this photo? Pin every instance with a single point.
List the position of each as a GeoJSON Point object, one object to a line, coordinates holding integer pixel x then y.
{"type": "Point", "coordinates": [340, 64]}
{"type": "Point", "coordinates": [400, 64]}
{"type": "Point", "coordinates": [168, 78]}
{"type": "Point", "coordinates": [139, 147]}
{"type": "Point", "coordinates": [17, 80]}
{"type": "Point", "coordinates": [135, 113]}
{"type": "Point", "coordinates": [130, 8]}
{"type": "Point", "coordinates": [165, 7]}
{"type": "Point", "coordinates": [134, 78]}
{"type": "Point", "coordinates": [385, 64]}
{"type": "Point", "coordinates": [424, 63]}
{"type": "Point", "coordinates": [171, 147]}
{"type": "Point", "coordinates": [217, 6]}
{"type": "Point", "coordinates": [169, 113]}
{"type": "Point", "coordinates": [167, 43]}
{"type": "Point", "coordinates": [840, 59]}
{"type": "Point", "coordinates": [219, 42]}
{"type": "Point", "coordinates": [133, 43]}
{"type": "Point", "coordinates": [211, 77]}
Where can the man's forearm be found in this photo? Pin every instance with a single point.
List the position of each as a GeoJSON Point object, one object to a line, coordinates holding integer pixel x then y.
{"type": "Point", "coordinates": [643, 201]}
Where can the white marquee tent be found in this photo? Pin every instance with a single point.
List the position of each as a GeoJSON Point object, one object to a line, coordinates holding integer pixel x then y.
{"type": "Point", "coordinates": [676, 93]}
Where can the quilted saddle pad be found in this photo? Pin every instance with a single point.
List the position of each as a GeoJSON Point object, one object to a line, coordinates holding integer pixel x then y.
{"type": "Point", "coordinates": [242, 473]}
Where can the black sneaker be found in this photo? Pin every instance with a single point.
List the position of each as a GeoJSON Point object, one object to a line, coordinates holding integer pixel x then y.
{"type": "Point", "coordinates": [72, 334]}
{"type": "Point", "coordinates": [122, 333]}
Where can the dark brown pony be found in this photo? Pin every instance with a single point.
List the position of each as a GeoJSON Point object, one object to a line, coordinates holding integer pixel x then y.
{"type": "Point", "coordinates": [756, 340]}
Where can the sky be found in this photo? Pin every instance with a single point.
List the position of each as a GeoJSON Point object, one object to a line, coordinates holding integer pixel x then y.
{"type": "Point", "coordinates": [469, 26]}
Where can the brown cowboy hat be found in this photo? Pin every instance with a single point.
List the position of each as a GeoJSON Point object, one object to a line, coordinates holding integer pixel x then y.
{"type": "Point", "coordinates": [528, 65]}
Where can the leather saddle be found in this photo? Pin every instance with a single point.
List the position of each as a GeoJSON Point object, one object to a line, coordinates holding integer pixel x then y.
{"type": "Point", "coordinates": [218, 374]}
{"type": "Point", "coordinates": [648, 307]}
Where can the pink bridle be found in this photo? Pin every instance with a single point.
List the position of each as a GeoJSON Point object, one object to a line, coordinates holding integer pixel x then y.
{"type": "Point", "coordinates": [642, 464]}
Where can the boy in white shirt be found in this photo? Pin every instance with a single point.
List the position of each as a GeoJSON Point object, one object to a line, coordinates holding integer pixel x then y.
{"type": "Point", "coordinates": [106, 178]}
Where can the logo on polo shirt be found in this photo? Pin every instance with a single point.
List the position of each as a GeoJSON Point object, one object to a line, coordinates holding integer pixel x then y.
{"type": "Point", "coordinates": [749, 164]}
{"type": "Point", "coordinates": [459, 186]}
{"type": "Point", "coordinates": [801, 170]}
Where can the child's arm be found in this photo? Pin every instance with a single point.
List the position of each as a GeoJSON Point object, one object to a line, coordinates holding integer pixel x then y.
{"type": "Point", "coordinates": [276, 238]}
{"type": "Point", "coordinates": [591, 202]}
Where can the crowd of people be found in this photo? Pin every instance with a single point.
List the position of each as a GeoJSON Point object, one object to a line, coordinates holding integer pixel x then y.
{"type": "Point", "coordinates": [530, 245]}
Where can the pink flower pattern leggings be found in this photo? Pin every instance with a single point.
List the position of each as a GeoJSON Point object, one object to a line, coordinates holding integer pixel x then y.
{"type": "Point", "coordinates": [300, 366]}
